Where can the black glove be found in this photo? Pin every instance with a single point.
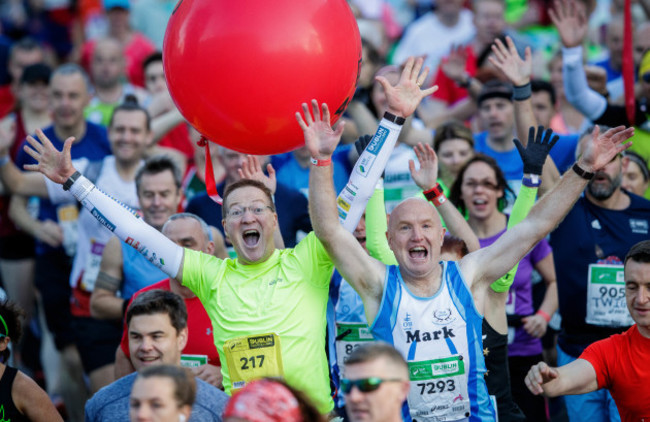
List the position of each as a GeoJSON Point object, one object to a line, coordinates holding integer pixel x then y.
{"type": "Point", "coordinates": [534, 155]}
{"type": "Point", "coordinates": [361, 143]}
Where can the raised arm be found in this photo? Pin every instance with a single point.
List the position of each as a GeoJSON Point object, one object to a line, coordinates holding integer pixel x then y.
{"type": "Point", "coordinates": [488, 264]}
{"type": "Point", "coordinates": [121, 220]}
{"type": "Point", "coordinates": [572, 25]}
{"type": "Point", "coordinates": [361, 271]}
{"type": "Point", "coordinates": [519, 72]}
{"type": "Point", "coordinates": [402, 100]}
{"type": "Point", "coordinates": [426, 177]}
{"type": "Point", "coordinates": [577, 377]}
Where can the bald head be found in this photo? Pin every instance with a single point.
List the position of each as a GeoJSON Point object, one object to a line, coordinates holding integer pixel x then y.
{"type": "Point", "coordinates": [108, 65]}
{"type": "Point", "coordinates": [412, 206]}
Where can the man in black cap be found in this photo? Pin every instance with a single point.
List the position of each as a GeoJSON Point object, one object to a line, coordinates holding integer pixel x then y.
{"type": "Point", "coordinates": [496, 116]}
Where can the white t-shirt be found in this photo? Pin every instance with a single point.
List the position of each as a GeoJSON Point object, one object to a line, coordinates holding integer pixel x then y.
{"type": "Point", "coordinates": [428, 36]}
{"type": "Point", "coordinates": [92, 235]}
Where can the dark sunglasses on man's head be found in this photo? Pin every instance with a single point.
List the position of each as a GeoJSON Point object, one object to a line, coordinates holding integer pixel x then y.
{"type": "Point", "coordinates": [646, 77]}
{"type": "Point", "coordinates": [365, 385]}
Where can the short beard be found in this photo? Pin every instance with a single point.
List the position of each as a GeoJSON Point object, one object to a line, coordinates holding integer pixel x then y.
{"type": "Point", "coordinates": [602, 192]}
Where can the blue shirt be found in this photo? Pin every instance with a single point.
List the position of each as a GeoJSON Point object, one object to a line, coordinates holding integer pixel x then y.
{"type": "Point", "coordinates": [111, 403]}
{"type": "Point", "coordinates": [587, 235]}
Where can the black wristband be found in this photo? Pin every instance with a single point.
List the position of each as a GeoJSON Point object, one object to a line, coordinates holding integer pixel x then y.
{"type": "Point", "coordinates": [393, 118]}
{"type": "Point", "coordinates": [522, 92]}
{"type": "Point", "coordinates": [68, 183]}
{"type": "Point", "coordinates": [466, 83]}
{"type": "Point", "coordinates": [580, 172]}
{"type": "Point", "coordinates": [125, 307]}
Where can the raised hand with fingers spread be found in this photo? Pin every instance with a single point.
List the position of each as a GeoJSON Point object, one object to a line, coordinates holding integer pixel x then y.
{"type": "Point", "coordinates": [426, 177]}
{"type": "Point", "coordinates": [604, 147]}
{"type": "Point", "coordinates": [55, 165]}
{"type": "Point", "coordinates": [405, 97]}
{"type": "Point", "coordinates": [570, 21]}
{"type": "Point", "coordinates": [535, 152]}
{"type": "Point", "coordinates": [455, 65]}
{"type": "Point", "coordinates": [320, 139]}
{"type": "Point", "coordinates": [251, 169]}
{"type": "Point", "coordinates": [507, 60]}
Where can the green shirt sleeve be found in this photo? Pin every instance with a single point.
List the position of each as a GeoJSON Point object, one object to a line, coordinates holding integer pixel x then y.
{"type": "Point", "coordinates": [524, 202]}
{"type": "Point", "coordinates": [376, 228]}
{"type": "Point", "coordinates": [195, 265]}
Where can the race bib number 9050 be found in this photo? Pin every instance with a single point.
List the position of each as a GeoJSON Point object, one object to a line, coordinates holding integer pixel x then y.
{"type": "Point", "coordinates": [606, 297]}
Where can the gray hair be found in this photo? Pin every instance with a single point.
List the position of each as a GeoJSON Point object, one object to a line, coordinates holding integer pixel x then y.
{"type": "Point", "coordinates": [188, 215]}
{"type": "Point", "coordinates": [71, 69]}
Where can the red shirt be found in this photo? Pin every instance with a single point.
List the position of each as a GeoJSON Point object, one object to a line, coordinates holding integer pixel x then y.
{"type": "Point", "coordinates": [448, 90]}
{"type": "Point", "coordinates": [622, 364]}
{"type": "Point", "coordinates": [200, 339]}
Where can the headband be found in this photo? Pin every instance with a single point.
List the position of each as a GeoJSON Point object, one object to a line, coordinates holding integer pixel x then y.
{"type": "Point", "coordinates": [4, 324]}
{"type": "Point", "coordinates": [639, 161]}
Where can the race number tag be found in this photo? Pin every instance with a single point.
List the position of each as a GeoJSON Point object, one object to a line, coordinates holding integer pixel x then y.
{"type": "Point", "coordinates": [91, 271]}
{"type": "Point", "coordinates": [439, 389]}
{"type": "Point", "coordinates": [606, 305]}
{"type": "Point", "coordinates": [193, 361]}
{"type": "Point", "coordinates": [253, 357]}
{"type": "Point", "coordinates": [348, 338]}
{"type": "Point", "coordinates": [68, 215]}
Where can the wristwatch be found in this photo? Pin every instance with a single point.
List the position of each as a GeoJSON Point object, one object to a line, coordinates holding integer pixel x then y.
{"type": "Point", "coordinates": [393, 118]}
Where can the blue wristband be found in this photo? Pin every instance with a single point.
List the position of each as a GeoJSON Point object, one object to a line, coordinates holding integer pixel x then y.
{"type": "Point", "coordinates": [531, 180]}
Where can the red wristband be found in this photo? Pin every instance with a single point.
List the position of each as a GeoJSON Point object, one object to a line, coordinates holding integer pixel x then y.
{"type": "Point", "coordinates": [435, 195]}
{"type": "Point", "coordinates": [544, 315]}
{"type": "Point", "coordinates": [321, 163]}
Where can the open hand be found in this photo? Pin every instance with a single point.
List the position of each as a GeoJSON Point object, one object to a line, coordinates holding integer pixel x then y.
{"type": "Point", "coordinates": [535, 152]}
{"type": "Point", "coordinates": [426, 177]}
{"type": "Point", "coordinates": [55, 165]}
{"type": "Point", "coordinates": [571, 23]}
{"type": "Point", "coordinates": [603, 147]}
{"type": "Point", "coordinates": [456, 63]}
{"type": "Point", "coordinates": [405, 97]}
{"type": "Point", "coordinates": [539, 375]}
{"type": "Point", "coordinates": [507, 60]}
{"type": "Point", "coordinates": [251, 169]}
{"type": "Point", "coordinates": [320, 139]}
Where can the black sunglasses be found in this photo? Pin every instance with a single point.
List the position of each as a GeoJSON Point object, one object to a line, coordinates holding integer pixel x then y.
{"type": "Point", "coordinates": [646, 77]}
{"type": "Point", "coordinates": [365, 385]}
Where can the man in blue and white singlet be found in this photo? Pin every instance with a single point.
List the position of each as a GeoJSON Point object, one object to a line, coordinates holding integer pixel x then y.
{"type": "Point", "coordinates": [422, 306]}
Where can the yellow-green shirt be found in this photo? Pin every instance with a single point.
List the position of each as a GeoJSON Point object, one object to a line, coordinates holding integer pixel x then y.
{"type": "Point", "coordinates": [287, 295]}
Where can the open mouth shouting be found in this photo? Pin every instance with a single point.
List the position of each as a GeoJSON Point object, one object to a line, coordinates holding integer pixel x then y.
{"type": "Point", "coordinates": [418, 253]}
{"type": "Point", "coordinates": [251, 238]}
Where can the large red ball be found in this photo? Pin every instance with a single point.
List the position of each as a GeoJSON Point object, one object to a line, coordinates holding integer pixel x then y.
{"type": "Point", "coordinates": [239, 70]}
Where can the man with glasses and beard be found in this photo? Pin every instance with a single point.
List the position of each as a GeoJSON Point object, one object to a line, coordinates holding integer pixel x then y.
{"type": "Point", "coordinates": [589, 246]}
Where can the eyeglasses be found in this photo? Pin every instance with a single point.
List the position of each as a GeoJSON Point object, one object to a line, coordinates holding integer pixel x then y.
{"type": "Point", "coordinates": [238, 212]}
{"type": "Point", "coordinates": [485, 184]}
{"type": "Point", "coordinates": [365, 385]}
